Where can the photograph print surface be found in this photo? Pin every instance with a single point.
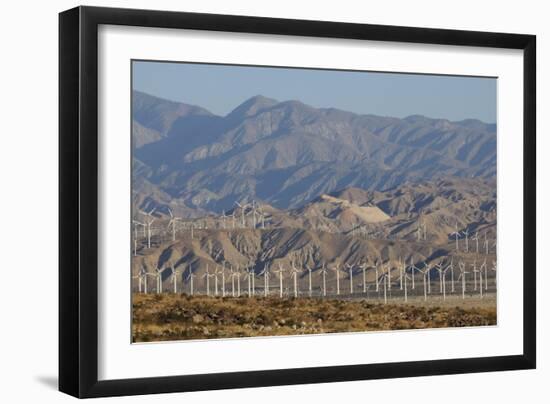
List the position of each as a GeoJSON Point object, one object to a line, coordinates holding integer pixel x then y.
{"type": "Point", "coordinates": [271, 201]}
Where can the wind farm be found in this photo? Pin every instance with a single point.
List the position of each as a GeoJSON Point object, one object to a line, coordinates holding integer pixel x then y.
{"type": "Point", "coordinates": [284, 219]}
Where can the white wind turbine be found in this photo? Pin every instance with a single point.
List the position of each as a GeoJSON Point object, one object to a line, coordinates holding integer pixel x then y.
{"type": "Point", "coordinates": [323, 272]}
{"type": "Point", "coordinates": [483, 269]}
{"type": "Point", "coordinates": [337, 270]}
{"type": "Point", "coordinates": [451, 267]}
{"type": "Point", "coordinates": [243, 208]}
{"type": "Point", "coordinates": [480, 282]}
{"type": "Point", "coordinates": [462, 276]}
{"type": "Point", "coordinates": [223, 277]}
{"type": "Point", "coordinates": [364, 267]}
{"type": "Point", "coordinates": [144, 274]}
{"type": "Point", "coordinates": [475, 271]}
{"type": "Point", "coordinates": [388, 271]}
{"type": "Point", "coordinates": [159, 278]}
{"type": "Point", "coordinates": [175, 274]}
{"type": "Point", "coordinates": [238, 277]}
{"type": "Point", "coordinates": [173, 222]}
{"type": "Point", "coordinates": [215, 276]}
{"type": "Point", "coordinates": [350, 272]}
{"type": "Point", "coordinates": [223, 218]}
{"type": "Point", "coordinates": [232, 276]}
{"type": "Point", "coordinates": [439, 269]}
{"type": "Point", "coordinates": [476, 239]}
{"type": "Point", "coordinates": [456, 233]}
{"type": "Point", "coordinates": [310, 289]}
{"type": "Point", "coordinates": [247, 277]}
{"type": "Point", "coordinates": [149, 220]}
{"type": "Point", "coordinates": [444, 273]}
{"type": "Point", "coordinates": [405, 277]}
{"type": "Point", "coordinates": [207, 275]}
{"type": "Point", "coordinates": [265, 273]}
{"type": "Point", "coordinates": [294, 273]}
{"type": "Point", "coordinates": [136, 224]}
{"type": "Point", "coordinates": [384, 278]}
{"type": "Point", "coordinates": [466, 233]}
{"type": "Point", "coordinates": [280, 272]}
{"type": "Point", "coordinates": [139, 278]}
{"type": "Point", "coordinates": [426, 273]}
{"type": "Point", "coordinates": [486, 243]}
{"type": "Point", "coordinates": [413, 268]}
{"type": "Point", "coordinates": [190, 278]}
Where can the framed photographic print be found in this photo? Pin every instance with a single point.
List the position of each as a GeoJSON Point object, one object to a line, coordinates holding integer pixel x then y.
{"type": "Point", "coordinates": [251, 201]}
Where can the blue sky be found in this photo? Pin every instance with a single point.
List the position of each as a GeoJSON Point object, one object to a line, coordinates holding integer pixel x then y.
{"type": "Point", "coordinates": [221, 88]}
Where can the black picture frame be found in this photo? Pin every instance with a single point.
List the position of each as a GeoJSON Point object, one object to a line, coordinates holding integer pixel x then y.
{"type": "Point", "coordinates": [78, 196]}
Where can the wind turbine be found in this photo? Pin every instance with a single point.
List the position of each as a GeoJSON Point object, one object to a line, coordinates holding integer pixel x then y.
{"type": "Point", "coordinates": [476, 239]}
{"type": "Point", "coordinates": [223, 278]}
{"type": "Point", "coordinates": [280, 273]}
{"type": "Point", "coordinates": [190, 279]}
{"type": "Point", "coordinates": [173, 221]}
{"type": "Point", "coordinates": [456, 233]}
{"type": "Point", "coordinates": [466, 233]}
{"type": "Point", "coordinates": [388, 266]}
{"type": "Point", "coordinates": [444, 283]}
{"type": "Point", "coordinates": [323, 272]}
{"type": "Point", "coordinates": [427, 280]}
{"type": "Point", "coordinates": [451, 266]}
{"type": "Point", "coordinates": [176, 273]}
{"type": "Point", "coordinates": [243, 208]}
{"type": "Point", "coordinates": [337, 270]}
{"type": "Point", "coordinates": [483, 269]}
{"type": "Point", "coordinates": [439, 268]}
{"type": "Point", "coordinates": [480, 283]}
{"type": "Point", "coordinates": [376, 274]}
{"type": "Point", "coordinates": [159, 278]}
{"type": "Point", "coordinates": [144, 274]}
{"type": "Point", "coordinates": [350, 271]}
{"type": "Point", "coordinates": [223, 218]}
{"type": "Point", "coordinates": [238, 276]}
{"type": "Point", "coordinates": [475, 271]}
{"type": "Point", "coordinates": [363, 266]}
{"type": "Point", "coordinates": [405, 277]}
{"type": "Point", "coordinates": [309, 278]}
{"type": "Point", "coordinates": [136, 224]}
{"type": "Point", "coordinates": [265, 273]}
{"type": "Point", "coordinates": [149, 220]}
{"type": "Point", "coordinates": [462, 276]}
{"type": "Point", "coordinates": [232, 275]}
{"type": "Point", "coordinates": [138, 277]}
{"type": "Point", "coordinates": [207, 275]}
{"type": "Point", "coordinates": [247, 277]}
{"type": "Point", "coordinates": [413, 268]}
{"type": "Point", "coordinates": [384, 277]}
{"type": "Point", "coordinates": [215, 274]}
{"type": "Point", "coordinates": [486, 243]}
{"type": "Point", "coordinates": [294, 272]}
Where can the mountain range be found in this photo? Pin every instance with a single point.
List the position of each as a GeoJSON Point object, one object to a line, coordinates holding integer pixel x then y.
{"type": "Point", "coordinates": [287, 154]}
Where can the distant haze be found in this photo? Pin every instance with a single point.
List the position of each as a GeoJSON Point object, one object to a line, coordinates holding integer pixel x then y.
{"type": "Point", "coordinates": [219, 88]}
